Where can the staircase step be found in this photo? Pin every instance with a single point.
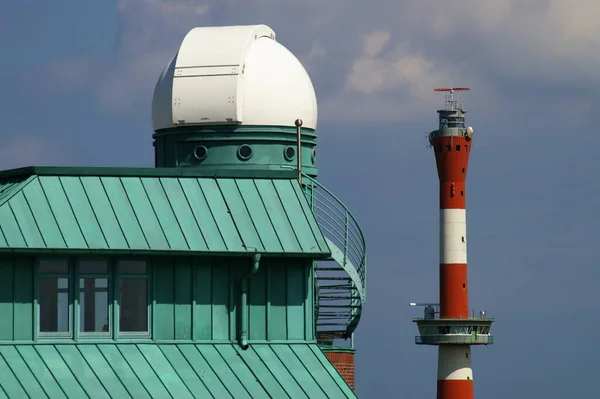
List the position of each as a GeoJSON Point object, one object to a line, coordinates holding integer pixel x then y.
{"type": "Point", "coordinates": [335, 297]}
{"type": "Point", "coordinates": [341, 306]}
{"type": "Point", "coordinates": [330, 335]}
{"type": "Point", "coordinates": [334, 278]}
{"type": "Point", "coordinates": [336, 287]}
{"type": "Point", "coordinates": [334, 316]}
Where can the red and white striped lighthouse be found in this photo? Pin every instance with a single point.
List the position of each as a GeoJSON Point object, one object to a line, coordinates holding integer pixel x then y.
{"type": "Point", "coordinates": [451, 326]}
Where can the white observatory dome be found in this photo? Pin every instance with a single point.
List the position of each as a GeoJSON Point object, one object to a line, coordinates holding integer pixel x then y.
{"type": "Point", "coordinates": [235, 75]}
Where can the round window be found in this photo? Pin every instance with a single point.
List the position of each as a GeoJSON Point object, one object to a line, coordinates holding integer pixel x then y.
{"type": "Point", "coordinates": [200, 152]}
{"type": "Point", "coordinates": [289, 153]}
{"type": "Point", "coordinates": [245, 152]}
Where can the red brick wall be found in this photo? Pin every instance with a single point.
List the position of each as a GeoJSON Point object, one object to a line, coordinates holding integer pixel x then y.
{"type": "Point", "coordinates": [344, 363]}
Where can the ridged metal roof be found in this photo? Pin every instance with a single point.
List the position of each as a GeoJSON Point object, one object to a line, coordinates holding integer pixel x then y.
{"type": "Point", "coordinates": [168, 371]}
{"type": "Point", "coordinates": [150, 210]}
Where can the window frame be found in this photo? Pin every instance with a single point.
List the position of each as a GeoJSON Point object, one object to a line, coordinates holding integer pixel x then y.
{"type": "Point", "coordinates": [114, 281]}
{"type": "Point", "coordinates": [78, 275]}
{"type": "Point", "coordinates": [118, 276]}
{"type": "Point", "coordinates": [37, 291]}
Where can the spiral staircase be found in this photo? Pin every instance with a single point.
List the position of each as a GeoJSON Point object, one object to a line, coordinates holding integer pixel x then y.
{"type": "Point", "coordinates": [341, 280]}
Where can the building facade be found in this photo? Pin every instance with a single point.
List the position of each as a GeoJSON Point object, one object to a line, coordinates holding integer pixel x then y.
{"type": "Point", "coordinates": [225, 271]}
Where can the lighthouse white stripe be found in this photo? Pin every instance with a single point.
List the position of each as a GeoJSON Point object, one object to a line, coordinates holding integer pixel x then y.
{"type": "Point", "coordinates": [454, 362]}
{"type": "Point", "coordinates": [453, 236]}
{"type": "Point", "coordinates": [453, 215]}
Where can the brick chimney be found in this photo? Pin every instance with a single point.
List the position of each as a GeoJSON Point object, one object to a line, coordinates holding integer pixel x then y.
{"type": "Point", "coordinates": [343, 360]}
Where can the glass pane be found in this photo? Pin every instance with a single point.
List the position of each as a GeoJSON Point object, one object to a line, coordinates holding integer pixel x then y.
{"type": "Point", "coordinates": [54, 305]}
{"type": "Point", "coordinates": [93, 267]}
{"type": "Point", "coordinates": [133, 307]}
{"type": "Point", "coordinates": [132, 267]}
{"type": "Point", "coordinates": [93, 305]}
{"type": "Point", "coordinates": [54, 266]}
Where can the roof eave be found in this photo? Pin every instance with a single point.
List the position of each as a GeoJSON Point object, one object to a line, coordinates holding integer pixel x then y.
{"type": "Point", "coordinates": [270, 173]}
{"type": "Point", "coordinates": [158, 252]}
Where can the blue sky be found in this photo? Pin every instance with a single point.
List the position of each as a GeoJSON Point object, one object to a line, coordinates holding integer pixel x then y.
{"type": "Point", "coordinates": [77, 78]}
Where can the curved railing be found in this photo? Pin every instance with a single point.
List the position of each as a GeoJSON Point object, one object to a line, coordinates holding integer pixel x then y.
{"type": "Point", "coordinates": [339, 226]}
{"type": "Point", "coordinates": [341, 291]}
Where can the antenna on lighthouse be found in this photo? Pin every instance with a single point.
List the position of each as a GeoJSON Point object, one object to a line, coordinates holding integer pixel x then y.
{"type": "Point", "coordinates": [451, 99]}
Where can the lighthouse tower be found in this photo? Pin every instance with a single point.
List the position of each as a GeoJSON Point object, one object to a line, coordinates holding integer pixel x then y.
{"type": "Point", "coordinates": [449, 324]}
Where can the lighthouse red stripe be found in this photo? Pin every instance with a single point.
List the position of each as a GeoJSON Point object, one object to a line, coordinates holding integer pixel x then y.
{"type": "Point", "coordinates": [452, 158]}
{"type": "Point", "coordinates": [452, 195]}
{"type": "Point", "coordinates": [454, 295]}
{"type": "Point", "coordinates": [455, 389]}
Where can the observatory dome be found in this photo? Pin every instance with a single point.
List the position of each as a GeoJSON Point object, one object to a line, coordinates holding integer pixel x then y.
{"type": "Point", "coordinates": [233, 75]}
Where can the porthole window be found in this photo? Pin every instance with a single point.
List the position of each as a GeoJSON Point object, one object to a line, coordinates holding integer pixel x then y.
{"type": "Point", "coordinates": [313, 156]}
{"type": "Point", "coordinates": [289, 153]}
{"type": "Point", "coordinates": [200, 152]}
{"type": "Point", "coordinates": [245, 152]}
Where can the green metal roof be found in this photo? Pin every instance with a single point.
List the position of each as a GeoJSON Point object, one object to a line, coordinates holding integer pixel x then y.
{"type": "Point", "coordinates": [174, 210]}
{"type": "Point", "coordinates": [168, 371]}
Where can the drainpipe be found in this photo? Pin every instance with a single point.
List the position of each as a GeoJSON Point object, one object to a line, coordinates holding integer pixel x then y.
{"type": "Point", "coordinates": [298, 124]}
{"type": "Point", "coordinates": [243, 341]}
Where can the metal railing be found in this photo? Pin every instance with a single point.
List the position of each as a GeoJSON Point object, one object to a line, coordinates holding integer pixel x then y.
{"type": "Point", "coordinates": [472, 315]}
{"type": "Point", "coordinates": [339, 226]}
{"type": "Point", "coordinates": [454, 339]}
{"type": "Point", "coordinates": [340, 290]}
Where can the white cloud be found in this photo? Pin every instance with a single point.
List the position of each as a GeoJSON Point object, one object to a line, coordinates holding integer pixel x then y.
{"type": "Point", "coordinates": [391, 82]}
{"type": "Point", "coordinates": [374, 43]}
{"type": "Point", "coordinates": [374, 72]}
{"type": "Point", "coordinates": [518, 38]}
{"type": "Point", "coordinates": [376, 57]}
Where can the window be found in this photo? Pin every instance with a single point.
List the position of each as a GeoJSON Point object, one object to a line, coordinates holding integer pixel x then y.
{"type": "Point", "coordinates": [133, 292]}
{"type": "Point", "coordinates": [82, 298]}
{"type": "Point", "coordinates": [289, 153]}
{"type": "Point", "coordinates": [94, 315]}
{"type": "Point", "coordinates": [244, 152]}
{"type": "Point", "coordinates": [200, 152]}
{"type": "Point", "coordinates": [54, 297]}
